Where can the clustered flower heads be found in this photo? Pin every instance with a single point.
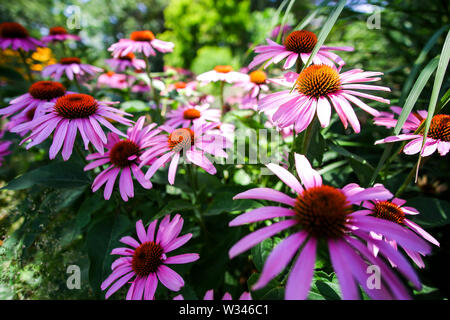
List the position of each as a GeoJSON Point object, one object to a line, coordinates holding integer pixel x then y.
{"type": "Point", "coordinates": [356, 226]}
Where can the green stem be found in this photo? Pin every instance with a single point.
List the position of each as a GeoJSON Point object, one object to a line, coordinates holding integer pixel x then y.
{"type": "Point", "coordinates": [27, 67]}
{"type": "Point", "coordinates": [298, 65]}
{"type": "Point", "coordinates": [77, 84]}
{"type": "Point", "coordinates": [222, 99]}
{"type": "Point", "coordinates": [309, 134]}
{"type": "Point", "coordinates": [152, 89]}
{"type": "Point", "coordinates": [407, 181]}
{"type": "Point", "coordinates": [80, 153]}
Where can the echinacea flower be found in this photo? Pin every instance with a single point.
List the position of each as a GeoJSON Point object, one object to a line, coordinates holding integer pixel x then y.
{"type": "Point", "coordinates": [209, 295]}
{"type": "Point", "coordinates": [222, 73]}
{"type": "Point", "coordinates": [34, 102]}
{"type": "Point", "coordinates": [186, 115]}
{"type": "Point", "coordinates": [317, 88]}
{"type": "Point", "coordinates": [59, 34]}
{"type": "Point", "coordinates": [393, 210]}
{"type": "Point", "coordinates": [71, 67]}
{"type": "Point", "coordinates": [387, 119]}
{"type": "Point", "coordinates": [298, 44]}
{"type": "Point", "coordinates": [322, 214]}
{"type": "Point", "coordinates": [194, 143]}
{"type": "Point", "coordinates": [113, 80]}
{"type": "Point", "coordinates": [4, 148]}
{"type": "Point", "coordinates": [140, 41]}
{"type": "Point", "coordinates": [438, 137]}
{"type": "Point", "coordinates": [123, 158]}
{"type": "Point", "coordinates": [14, 35]}
{"type": "Point", "coordinates": [255, 83]}
{"type": "Point", "coordinates": [147, 260]}
{"type": "Point", "coordinates": [121, 63]}
{"type": "Point", "coordinates": [68, 115]}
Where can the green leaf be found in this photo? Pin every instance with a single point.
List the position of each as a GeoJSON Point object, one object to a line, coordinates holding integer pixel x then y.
{"type": "Point", "coordinates": [101, 239]}
{"type": "Point", "coordinates": [433, 212]}
{"type": "Point", "coordinates": [173, 206]}
{"type": "Point", "coordinates": [260, 252]}
{"type": "Point", "coordinates": [66, 174]}
{"type": "Point", "coordinates": [134, 106]}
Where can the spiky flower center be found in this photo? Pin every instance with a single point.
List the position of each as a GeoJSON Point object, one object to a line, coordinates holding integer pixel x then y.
{"type": "Point", "coordinates": [70, 60]}
{"type": "Point", "coordinates": [122, 151]}
{"type": "Point", "coordinates": [191, 114]}
{"type": "Point", "coordinates": [180, 85]}
{"type": "Point", "coordinates": [130, 56]}
{"type": "Point", "coordinates": [57, 30]}
{"type": "Point", "coordinates": [388, 211]}
{"type": "Point", "coordinates": [46, 90]}
{"type": "Point", "coordinates": [318, 81]}
{"type": "Point", "coordinates": [145, 35]}
{"type": "Point", "coordinates": [223, 69]}
{"type": "Point", "coordinates": [180, 139]}
{"type": "Point", "coordinates": [147, 258]}
{"type": "Point", "coordinates": [300, 41]}
{"type": "Point", "coordinates": [258, 77]}
{"type": "Point", "coordinates": [13, 30]}
{"type": "Point", "coordinates": [440, 128]}
{"type": "Point", "coordinates": [322, 211]}
{"type": "Point", "coordinates": [76, 106]}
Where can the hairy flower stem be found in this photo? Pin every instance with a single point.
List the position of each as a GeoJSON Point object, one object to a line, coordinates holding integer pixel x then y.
{"type": "Point", "coordinates": [80, 153]}
{"type": "Point", "coordinates": [192, 174]}
{"type": "Point", "coordinates": [153, 91]}
{"type": "Point", "coordinates": [77, 84]}
{"type": "Point", "coordinates": [27, 67]}
{"type": "Point", "coordinates": [222, 99]}
{"type": "Point", "coordinates": [409, 178]}
{"type": "Point", "coordinates": [298, 65]}
{"type": "Point", "coordinates": [308, 136]}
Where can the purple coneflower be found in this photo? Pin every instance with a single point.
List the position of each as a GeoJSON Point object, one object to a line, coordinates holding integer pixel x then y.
{"type": "Point", "coordinates": [325, 214]}
{"type": "Point", "coordinates": [14, 35]}
{"type": "Point", "coordinates": [147, 260]}
{"type": "Point", "coordinates": [72, 67]}
{"type": "Point", "coordinates": [68, 115]}
{"type": "Point", "coordinates": [255, 83]}
{"type": "Point", "coordinates": [394, 211]}
{"type": "Point", "coordinates": [317, 88]}
{"type": "Point", "coordinates": [438, 137]}
{"type": "Point", "coordinates": [222, 73]}
{"type": "Point", "coordinates": [123, 157]}
{"type": "Point", "coordinates": [140, 41]}
{"type": "Point", "coordinates": [194, 142]}
{"type": "Point", "coordinates": [119, 64]}
{"type": "Point", "coordinates": [59, 34]}
{"type": "Point", "coordinates": [186, 115]}
{"type": "Point", "coordinates": [209, 295]}
{"type": "Point", "coordinates": [299, 43]}
{"type": "Point", "coordinates": [113, 80]}
{"type": "Point", "coordinates": [387, 119]}
{"type": "Point", "coordinates": [35, 101]}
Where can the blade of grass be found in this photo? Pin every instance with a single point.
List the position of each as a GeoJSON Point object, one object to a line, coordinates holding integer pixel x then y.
{"type": "Point", "coordinates": [409, 104]}
{"type": "Point", "coordinates": [439, 78]}
{"type": "Point", "coordinates": [419, 62]}
{"type": "Point", "coordinates": [285, 17]}
{"type": "Point", "coordinates": [311, 16]}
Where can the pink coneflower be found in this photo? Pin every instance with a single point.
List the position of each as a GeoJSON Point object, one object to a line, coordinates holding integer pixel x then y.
{"type": "Point", "coordinates": [186, 88]}
{"type": "Point", "coordinates": [185, 116]}
{"type": "Point", "coordinates": [325, 214]}
{"type": "Point", "coordinates": [72, 67]}
{"type": "Point", "coordinates": [113, 80]}
{"type": "Point", "coordinates": [128, 61]}
{"type": "Point", "coordinates": [275, 31]}
{"type": "Point", "coordinates": [21, 118]}
{"type": "Point", "coordinates": [222, 73]}
{"type": "Point", "coordinates": [255, 83]}
{"type": "Point", "coordinates": [4, 148]}
{"type": "Point", "coordinates": [438, 137]}
{"type": "Point", "coordinates": [317, 86]}
{"type": "Point", "coordinates": [140, 41]}
{"type": "Point", "coordinates": [194, 142]}
{"type": "Point", "coordinates": [299, 43]}
{"type": "Point", "coordinates": [35, 101]}
{"type": "Point", "coordinates": [387, 119]}
{"type": "Point", "coordinates": [147, 260]}
{"type": "Point", "coordinates": [209, 295]}
{"type": "Point", "coordinates": [122, 158]}
{"type": "Point", "coordinates": [14, 35]}
{"type": "Point", "coordinates": [394, 211]}
{"type": "Point", "coordinates": [69, 114]}
{"type": "Point", "coordinates": [59, 34]}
